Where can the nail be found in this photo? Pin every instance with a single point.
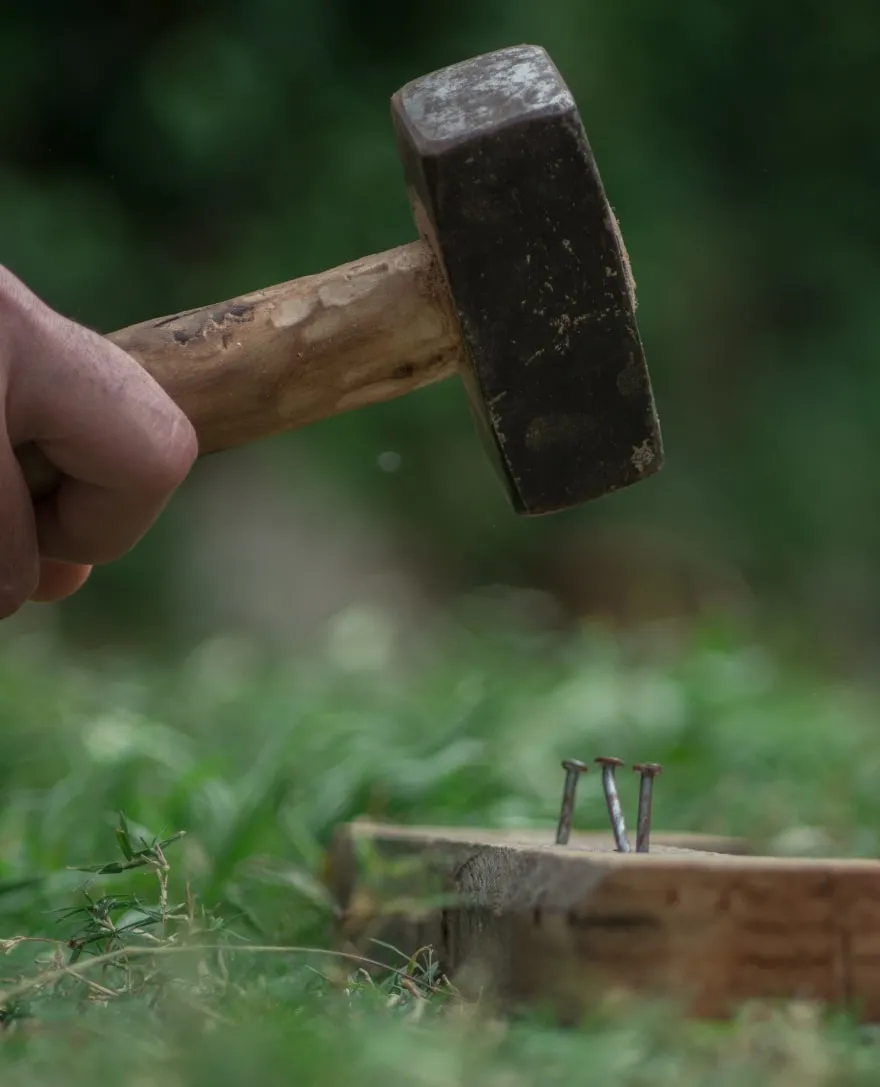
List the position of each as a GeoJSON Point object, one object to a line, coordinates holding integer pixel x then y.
{"type": "Point", "coordinates": [609, 784]}
{"type": "Point", "coordinates": [648, 771]}
{"type": "Point", "coordinates": [573, 770]}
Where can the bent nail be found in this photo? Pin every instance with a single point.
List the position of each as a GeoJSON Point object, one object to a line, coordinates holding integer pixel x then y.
{"type": "Point", "coordinates": [615, 812]}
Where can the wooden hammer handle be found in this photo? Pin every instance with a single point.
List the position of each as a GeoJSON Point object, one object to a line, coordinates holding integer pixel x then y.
{"type": "Point", "coordinates": [295, 353]}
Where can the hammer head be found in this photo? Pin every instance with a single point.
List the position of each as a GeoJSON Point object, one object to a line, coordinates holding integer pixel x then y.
{"type": "Point", "coordinates": [504, 186]}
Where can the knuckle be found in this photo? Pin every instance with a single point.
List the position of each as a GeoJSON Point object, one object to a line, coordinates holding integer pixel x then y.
{"type": "Point", "coordinates": [186, 445]}
{"type": "Point", "coordinates": [173, 456]}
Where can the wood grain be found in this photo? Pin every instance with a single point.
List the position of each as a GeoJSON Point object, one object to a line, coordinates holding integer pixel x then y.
{"type": "Point", "coordinates": [535, 922]}
{"type": "Point", "coordinates": [280, 358]}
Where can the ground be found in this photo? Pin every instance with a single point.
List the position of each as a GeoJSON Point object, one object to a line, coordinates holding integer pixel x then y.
{"type": "Point", "coordinates": [202, 794]}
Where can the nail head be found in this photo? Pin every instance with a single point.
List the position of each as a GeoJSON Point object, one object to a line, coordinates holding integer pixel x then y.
{"type": "Point", "coordinates": [648, 769]}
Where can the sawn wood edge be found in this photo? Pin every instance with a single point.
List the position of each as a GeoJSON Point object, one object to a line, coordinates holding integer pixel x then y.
{"type": "Point", "coordinates": [532, 922]}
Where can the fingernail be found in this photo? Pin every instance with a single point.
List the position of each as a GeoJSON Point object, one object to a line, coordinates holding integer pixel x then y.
{"type": "Point", "coordinates": [609, 784]}
{"type": "Point", "coordinates": [648, 771]}
{"type": "Point", "coordinates": [573, 770]}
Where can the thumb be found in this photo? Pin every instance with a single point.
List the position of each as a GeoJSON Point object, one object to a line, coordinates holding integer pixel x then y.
{"type": "Point", "coordinates": [120, 442]}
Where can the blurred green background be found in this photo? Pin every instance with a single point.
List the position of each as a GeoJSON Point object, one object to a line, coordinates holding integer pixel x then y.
{"type": "Point", "coordinates": [349, 619]}
{"type": "Point", "coordinates": [159, 156]}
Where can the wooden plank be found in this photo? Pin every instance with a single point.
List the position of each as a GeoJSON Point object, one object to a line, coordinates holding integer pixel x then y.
{"type": "Point", "coordinates": [705, 924]}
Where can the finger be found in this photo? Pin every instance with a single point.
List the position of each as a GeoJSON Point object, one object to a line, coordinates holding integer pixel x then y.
{"type": "Point", "coordinates": [19, 558]}
{"type": "Point", "coordinates": [59, 580]}
{"type": "Point", "coordinates": [121, 442]}
{"type": "Point", "coordinates": [82, 523]}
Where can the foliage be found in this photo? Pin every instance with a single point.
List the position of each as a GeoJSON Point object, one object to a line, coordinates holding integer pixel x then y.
{"type": "Point", "coordinates": [198, 955]}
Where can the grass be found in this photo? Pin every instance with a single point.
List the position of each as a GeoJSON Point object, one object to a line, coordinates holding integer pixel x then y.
{"type": "Point", "coordinates": [180, 942]}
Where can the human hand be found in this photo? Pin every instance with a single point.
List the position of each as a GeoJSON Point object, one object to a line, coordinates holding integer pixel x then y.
{"type": "Point", "coordinates": [122, 445]}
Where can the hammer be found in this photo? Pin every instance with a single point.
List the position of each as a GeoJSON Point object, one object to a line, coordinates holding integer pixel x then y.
{"type": "Point", "coordinates": [520, 283]}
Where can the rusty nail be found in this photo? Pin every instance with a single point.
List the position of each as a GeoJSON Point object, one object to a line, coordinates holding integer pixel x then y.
{"type": "Point", "coordinates": [648, 771]}
{"type": "Point", "coordinates": [573, 770]}
{"type": "Point", "coordinates": [609, 784]}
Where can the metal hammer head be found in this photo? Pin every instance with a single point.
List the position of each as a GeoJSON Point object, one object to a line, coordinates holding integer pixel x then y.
{"type": "Point", "coordinates": [504, 186]}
